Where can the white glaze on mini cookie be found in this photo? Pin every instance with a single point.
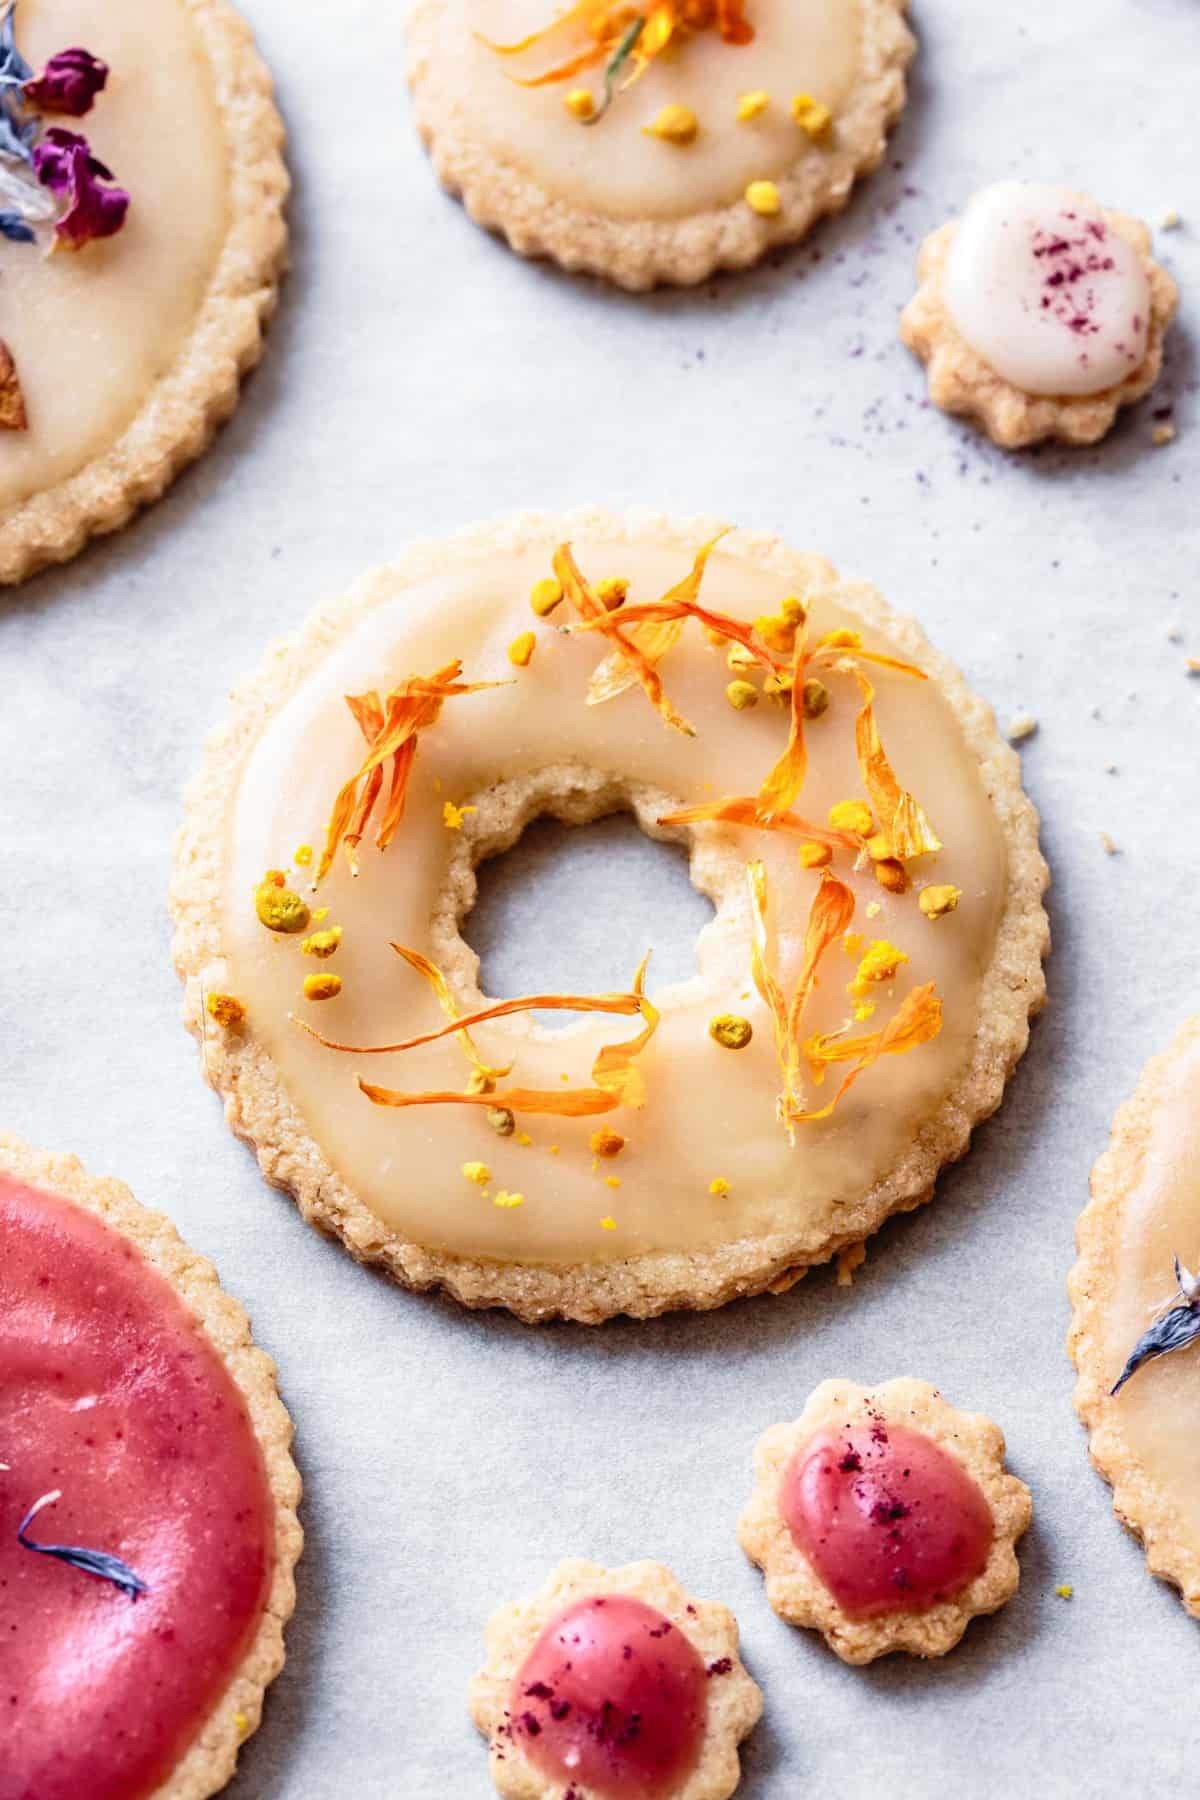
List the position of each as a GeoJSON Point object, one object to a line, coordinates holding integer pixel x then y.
{"type": "Point", "coordinates": [1042, 287]}
{"type": "Point", "coordinates": [92, 331]}
{"type": "Point", "coordinates": [612, 167]}
{"type": "Point", "coordinates": [407, 1166]}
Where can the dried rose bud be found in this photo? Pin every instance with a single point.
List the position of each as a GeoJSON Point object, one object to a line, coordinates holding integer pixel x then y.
{"type": "Point", "coordinates": [68, 84]}
{"type": "Point", "coordinates": [63, 162]}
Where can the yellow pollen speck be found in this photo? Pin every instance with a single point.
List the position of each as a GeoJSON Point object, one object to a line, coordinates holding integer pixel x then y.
{"type": "Point", "coordinates": [453, 816]}
{"type": "Point", "coordinates": [322, 912]}
{"type": "Point", "coordinates": [501, 1121]}
{"type": "Point", "coordinates": [520, 651]}
{"type": "Point", "coordinates": [864, 1010]}
{"type": "Point", "coordinates": [811, 116]}
{"type": "Point", "coordinates": [580, 104]}
{"type": "Point", "coordinates": [322, 987]}
{"type": "Point", "coordinates": [675, 125]}
{"type": "Point", "coordinates": [730, 1031]}
{"type": "Point", "coordinates": [242, 1723]}
{"type": "Point", "coordinates": [524, 1139]}
{"type": "Point", "coordinates": [874, 909]}
{"type": "Point", "coordinates": [226, 1009]}
{"type": "Point", "coordinates": [880, 963]}
{"type": "Point", "coordinates": [611, 592]}
{"type": "Point", "coordinates": [508, 1201]}
{"type": "Point", "coordinates": [741, 695]}
{"type": "Point", "coordinates": [852, 942]}
{"type": "Point", "coordinates": [852, 815]}
{"type": "Point", "coordinates": [777, 632]}
{"type": "Point", "coordinates": [303, 855]}
{"type": "Point", "coordinates": [322, 943]}
{"type": "Point", "coordinates": [892, 875]}
{"type": "Point", "coordinates": [477, 1172]}
{"type": "Point", "coordinates": [604, 1142]}
{"type": "Point", "coordinates": [278, 908]}
{"type": "Point", "coordinates": [564, 1077]}
{"type": "Point", "coordinates": [608, 1224]}
{"type": "Point", "coordinates": [936, 902]}
{"type": "Point", "coordinates": [816, 698]}
{"type": "Point", "coordinates": [612, 1181]}
{"type": "Point", "coordinates": [545, 595]}
{"type": "Point", "coordinates": [814, 855]}
{"type": "Point", "coordinates": [752, 105]}
{"type": "Point", "coordinates": [718, 1187]}
{"type": "Point", "coordinates": [1064, 1590]}
{"type": "Point", "coordinates": [762, 197]}
{"type": "Point", "coordinates": [879, 846]}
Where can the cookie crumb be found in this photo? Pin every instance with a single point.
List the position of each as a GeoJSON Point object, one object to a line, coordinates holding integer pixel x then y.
{"type": "Point", "coordinates": [1109, 847]}
{"type": "Point", "coordinates": [1174, 633]}
{"type": "Point", "coordinates": [1022, 727]}
{"type": "Point", "coordinates": [1162, 434]}
{"type": "Point", "coordinates": [1169, 220]}
{"type": "Point", "coordinates": [1193, 665]}
{"type": "Point", "coordinates": [849, 1259]}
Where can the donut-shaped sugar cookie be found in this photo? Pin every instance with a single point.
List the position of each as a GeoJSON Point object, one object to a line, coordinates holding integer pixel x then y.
{"type": "Point", "coordinates": [1137, 1314]}
{"type": "Point", "coordinates": [148, 1530]}
{"type": "Point", "coordinates": [142, 240]}
{"type": "Point", "coordinates": [657, 143]}
{"type": "Point", "coordinates": [860, 997]}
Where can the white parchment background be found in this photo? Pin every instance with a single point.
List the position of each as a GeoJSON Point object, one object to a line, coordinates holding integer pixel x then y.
{"type": "Point", "coordinates": [419, 376]}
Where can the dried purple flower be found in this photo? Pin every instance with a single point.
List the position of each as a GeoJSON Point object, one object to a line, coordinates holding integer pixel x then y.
{"type": "Point", "coordinates": [64, 163]}
{"type": "Point", "coordinates": [68, 84]}
{"type": "Point", "coordinates": [89, 1562]}
{"type": "Point", "coordinates": [1173, 1331]}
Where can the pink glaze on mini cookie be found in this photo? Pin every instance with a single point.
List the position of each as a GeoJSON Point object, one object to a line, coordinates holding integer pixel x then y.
{"type": "Point", "coordinates": [612, 1696]}
{"type": "Point", "coordinates": [888, 1520]}
{"type": "Point", "coordinates": [111, 1393]}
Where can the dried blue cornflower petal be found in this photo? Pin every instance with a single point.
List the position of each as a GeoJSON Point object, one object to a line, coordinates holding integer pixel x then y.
{"type": "Point", "coordinates": [14, 228]}
{"type": "Point", "coordinates": [1174, 1331]}
{"type": "Point", "coordinates": [63, 162]}
{"type": "Point", "coordinates": [68, 84]}
{"type": "Point", "coordinates": [18, 127]}
{"type": "Point", "coordinates": [91, 1562]}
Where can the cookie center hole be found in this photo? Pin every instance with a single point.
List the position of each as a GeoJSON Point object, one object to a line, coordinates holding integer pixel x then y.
{"type": "Point", "coordinates": [572, 909]}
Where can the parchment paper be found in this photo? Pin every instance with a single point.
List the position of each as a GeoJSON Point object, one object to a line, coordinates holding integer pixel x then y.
{"type": "Point", "coordinates": [418, 376]}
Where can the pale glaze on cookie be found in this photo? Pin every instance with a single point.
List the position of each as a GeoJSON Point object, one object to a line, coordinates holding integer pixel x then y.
{"type": "Point", "coordinates": [407, 1165]}
{"type": "Point", "coordinates": [1042, 287]}
{"type": "Point", "coordinates": [111, 1393]}
{"type": "Point", "coordinates": [612, 1696]}
{"type": "Point", "coordinates": [91, 331]}
{"type": "Point", "coordinates": [889, 1521]}
{"type": "Point", "coordinates": [1161, 1220]}
{"type": "Point", "coordinates": [612, 168]}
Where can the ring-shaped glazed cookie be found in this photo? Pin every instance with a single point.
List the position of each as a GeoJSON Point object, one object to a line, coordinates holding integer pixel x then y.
{"type": "Point", "coordinates": [657, 144]}
{"type": "Point", "coordinates": [148, 1531]}
{"type": "Point", "coordinates": [885, 1518]}
{"type": "Point", "coordinates": [861, 994]}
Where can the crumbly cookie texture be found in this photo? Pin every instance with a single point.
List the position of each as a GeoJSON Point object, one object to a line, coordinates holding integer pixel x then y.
{"type": "Point", "coordinates": [211, 1759]}
{"type": "Point", "coordinates": [1141, 1502]}
{"type": "Point", "coordinates": [181, 413]}
{"type": "Point", "coordinates": [259, 1108]}
{"type": "Point", "coordinates": [734, 1700]}
{"type": "Point", "coordinates": [961, 382]}
{"type": "Point", "coordinates": [502, 195]}
{"type": "Point", "coordinates": [793, 1588]}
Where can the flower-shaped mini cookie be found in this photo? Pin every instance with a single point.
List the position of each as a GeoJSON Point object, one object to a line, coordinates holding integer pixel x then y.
{"type": "Point", "coordinates": [1039, 314]}
{"type": "Point", "coordinates": [611, 1683]}
{"type": "Point", "coordinates": [884, 1518]}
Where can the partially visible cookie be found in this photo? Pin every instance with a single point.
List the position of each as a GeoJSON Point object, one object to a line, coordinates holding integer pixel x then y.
{"type": "Point", "coordinates": [148, 1530]}
{"type": "Point", "coordinates": [657, 144]}
{"type": "Point", "coordinates": [1137, 1314]}
{"type": "Point", "coordinates": [610, 1683]}
{"type": "Point", "coordinates": [884, 1518]}
{"type": "Point", "coordinates": [1039, 314]}
{"type": "Point", "coordinates": [150, 164]}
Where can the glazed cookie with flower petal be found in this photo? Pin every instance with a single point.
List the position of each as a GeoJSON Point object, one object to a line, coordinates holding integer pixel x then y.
{"type": "Point", "coordinates": [1039, 314]}
{"type": "Point", "coordinates": [655, 143]}
{"type": "Point", "coordinates": [859, 999]}
{"type": "Point", "coordinates": [148, 1530]}
{"type": "Point", "coordinates": [1137, 1314]}
{"type": "Point", "coordinates": [612, 1684]}
{"type": "Point", "coordinates": [142, 240]}
{"type": "Point", "coordinates": [885, 1519]}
